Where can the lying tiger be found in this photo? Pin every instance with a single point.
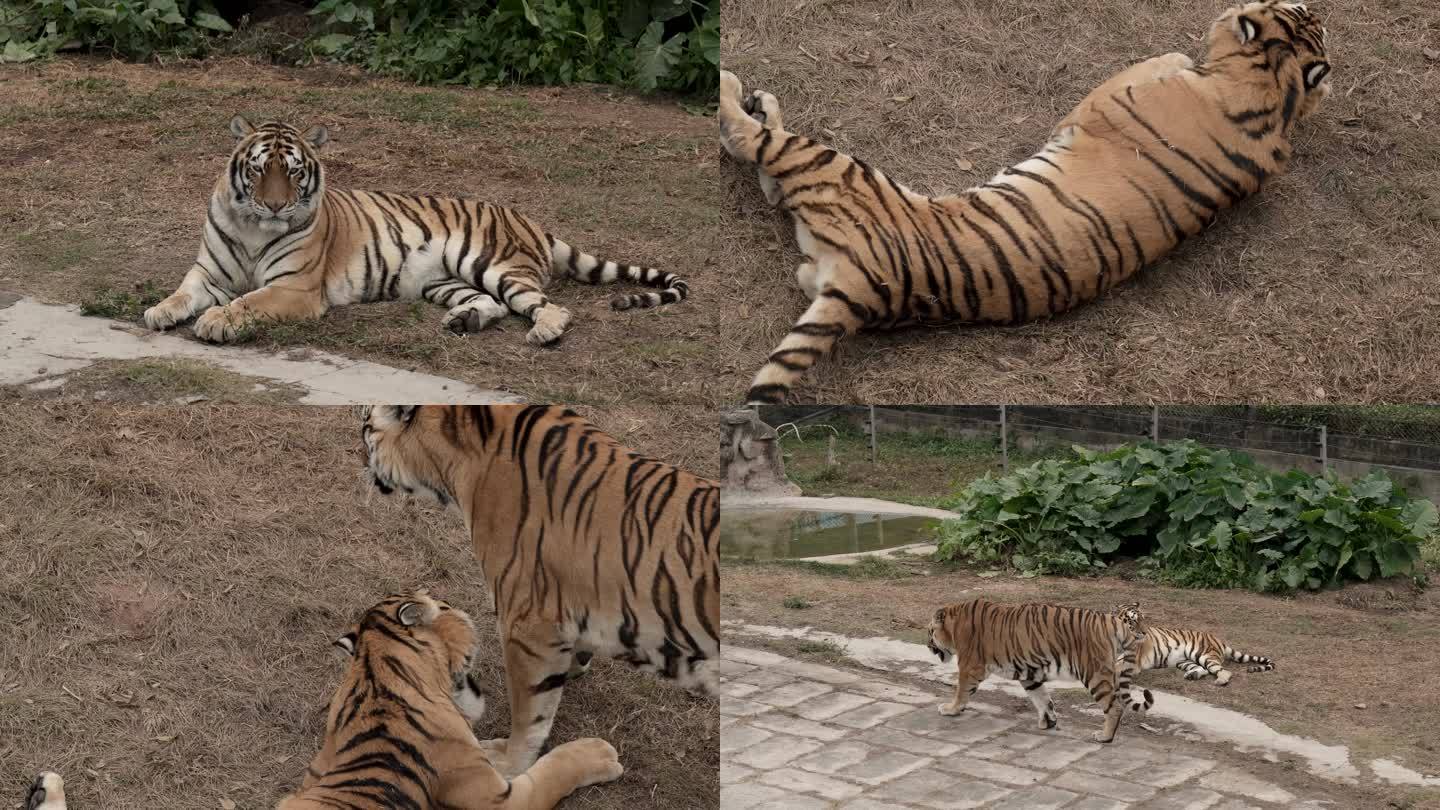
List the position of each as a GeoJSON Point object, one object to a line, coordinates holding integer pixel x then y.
{"type": "Point", "coordinates": [1033, 643]}
{"type": "Point", "coordinates": [1196, 653]}
{"type": "Point", "coordinates": [280, 245]}
{"type": "Point", "coordinates": [398, 730]}
{"type": "Point", "coordinates": [1148, 158]}
{"type": "Point", "coordinates": [588, 547]}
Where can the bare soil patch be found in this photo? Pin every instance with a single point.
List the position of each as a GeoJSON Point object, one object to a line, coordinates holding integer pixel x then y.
{"type": "Point", "coordinates": [1330, 654]}
{"type": "Point", "coordinates": [173, 579]}
{"type": "Point", "coordinates": [107, 167]}
{"type": "Point", "coordinates": [1321, 288]}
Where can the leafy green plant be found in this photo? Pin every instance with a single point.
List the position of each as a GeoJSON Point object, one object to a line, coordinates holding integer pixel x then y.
{"type": "Point", "coordinates": [1195, 516]}
{"type": "Point", "coordinates": [131, 28]}
{"type": "Point", "coordinates": [648, 44]}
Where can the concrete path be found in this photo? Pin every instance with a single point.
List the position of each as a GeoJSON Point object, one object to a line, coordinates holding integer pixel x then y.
{"type": "Point", "coordinates": [40, 343]}
{"type": "Point", "coordinates": [801, 736]}
{"type": "Point", "coordinates": [868, 506]}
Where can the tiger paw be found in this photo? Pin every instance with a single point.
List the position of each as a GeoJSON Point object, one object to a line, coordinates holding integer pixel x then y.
{"type": "Point", "coordinates": [550, 324]}
{"type": "Point", "coordinates": [950, 709]}
{"type": "Point", "coordinates": [1223, 679]}
{"type": "Point", "coordinates": [473, 316]}
{"type": "Point", "coordinates": [217, 325]}
{"type": "Point", "coordinates": [497, 751]}
{"type": "Point", "coordinates": [168, 313]}
{"type": "Point", "coordinates": [47, 793]}
{"type": "Point", "coordinates": [601, 760]}
{"type": "Point", "coordinates": [1100, 737]}
{"type": "Point", "coordinates": [763, 107]}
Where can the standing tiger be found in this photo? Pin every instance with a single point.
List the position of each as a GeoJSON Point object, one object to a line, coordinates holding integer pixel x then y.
{"type": "Point", "coordinates": [1033, 643]}
{"type": "Point", "coordinates": [398, 731]}
{"type": "Point", "coordinates": [588, 547]}
{"type": "Point", "coordinates": [1196, 653]}
{"type": "Point", "coordinates": [280, 245]}
{"type": "Point", "coordinates": [1146, 159]}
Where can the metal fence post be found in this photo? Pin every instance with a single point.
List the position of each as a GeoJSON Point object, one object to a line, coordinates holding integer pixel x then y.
{"type": "Point", "coordinates": [1004, 443]}
{"type": "Point", "coordinates": [1324, 450]}
{"type": "Point", "coordinates": [1155, 423]}
{"type": "Point", "coordinates": [873, 430]}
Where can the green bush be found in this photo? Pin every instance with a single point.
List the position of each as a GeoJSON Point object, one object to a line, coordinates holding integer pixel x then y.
{"type": "Point", "coordinates": [648, 44]}
{"type": "Point", "coordinates": [1195, 516]}
{"type": "Point", "coordinates": [134, 29]}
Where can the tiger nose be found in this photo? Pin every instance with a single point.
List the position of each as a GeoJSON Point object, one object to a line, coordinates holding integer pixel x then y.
{"type": "Point", "coordinates": [275, 207]}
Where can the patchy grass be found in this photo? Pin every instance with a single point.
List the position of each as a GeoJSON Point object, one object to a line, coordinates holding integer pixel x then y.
{"type": "Point", "coordinates": [1322, 288]}
{"type": "Point", "coordinates": [124, 156]}
{"type": "Point", "coordinates": [174, 578]}
{"type": "Point", "coordinates": [1370, 641]}
{"type": "Point", "coordinates": [796, 603]}
{"type": "Point", "coordinates": [828, 651]}
{"type": "Point", "coordinates": [917, 468]}
{"type": "Point", "coordinates": [123, 305]}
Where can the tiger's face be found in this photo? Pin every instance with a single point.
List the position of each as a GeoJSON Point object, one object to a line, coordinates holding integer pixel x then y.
{"type": "Point", "coordinates": [1260, 26]}
{"type": "Point", "coordinates": [414, 624]}
{"type": "Point", "coordinates": [276, 179]}
{"type": "Point", "coordinates": [941, 644]}
{"type": "Point", "coordinates": [396, 452]}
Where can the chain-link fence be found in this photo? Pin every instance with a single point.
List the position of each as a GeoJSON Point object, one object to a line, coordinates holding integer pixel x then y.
{"type": "Point", "coordinates": [1404, 440]}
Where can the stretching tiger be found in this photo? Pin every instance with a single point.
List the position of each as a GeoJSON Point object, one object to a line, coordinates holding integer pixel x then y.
{"type": "Point", "coordinates": [1194, 652]}
{"type": "Point", "coordinates": [280, 245]}
{"type": "Point", "coordinates": [398, 731]}
{"type": "Point", "coordinates": [1033, 643]}
{"type": "Point", "coordinates": [1146, 159]}
{"type": "Point", "coordinates": [588, 547]}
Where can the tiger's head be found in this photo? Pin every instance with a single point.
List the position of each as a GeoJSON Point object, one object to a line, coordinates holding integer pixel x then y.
{"type": "Point", "coordinates": [1129, 613]}
{"type": "Point", "coordinates": [1271, 25]}
{"type": "Point", "coordinates": [398, 452]}
{"type": "Point", "coordinates": [942, 642]}
{"type": "Point", "coordinates": [428, 635]}
{"type": "Point", "coordinates": [275, 178]}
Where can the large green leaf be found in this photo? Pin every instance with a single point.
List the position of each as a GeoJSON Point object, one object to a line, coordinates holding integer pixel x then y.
{"type": "Point", "coordinates": [1421, 517]}
{"type": "Point", "coordinates": [655, 59]}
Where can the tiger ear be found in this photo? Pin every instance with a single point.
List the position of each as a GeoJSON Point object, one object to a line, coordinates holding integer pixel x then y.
{"type": "Point", "coordinates": [347, 644]}
{"type": "Point", "coordinates": [410, 613]}
{"type": "Point", "coordinates": [939, 615]}
{"type": "Point", "coordinates": [240, 127]}
{"type": "Point", "coordinates": [316, 136]}
{"type": "Point", "coordinates": [1246, 29]}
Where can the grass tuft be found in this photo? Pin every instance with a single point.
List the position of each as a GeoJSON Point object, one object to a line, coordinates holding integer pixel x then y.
{"type": "Point", "coordinates": [122, 305]}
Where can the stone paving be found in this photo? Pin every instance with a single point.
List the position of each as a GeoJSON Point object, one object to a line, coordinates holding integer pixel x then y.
{"type": "Point", "coordinates": [797, 736]}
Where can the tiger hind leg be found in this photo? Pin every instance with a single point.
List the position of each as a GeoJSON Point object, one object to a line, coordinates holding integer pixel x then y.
{"type": "Point", "coordinates": [830, 317]}
{"type": "Point", "coordinates": [1192, 670]}
{"type": "Point", "coordinates": [1044, 707]}
{"type": "Point", "coordinates": [468, 309]}
{"type": "Point", "coordinates": [1211, 663]}
{"type": "Point", "coordinates": [46, 793]}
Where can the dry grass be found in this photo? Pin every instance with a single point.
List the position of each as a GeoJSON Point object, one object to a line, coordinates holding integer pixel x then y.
{"type": "Point", "coordinates": [106, 169]}
{"type": "Point", "coordinates": [1325, 281]}
{"type": "Point", "coordinates": [173, 579]}
{"type": "Point", "coordinates": [1369, 644]}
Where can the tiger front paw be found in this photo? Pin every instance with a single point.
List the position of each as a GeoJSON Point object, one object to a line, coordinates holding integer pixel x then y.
{"type": "Point", "coordinates": [763, 107]}
{"type": "Point", "coordinates": [950, 709]}
{"type": "Point", "coordinates": [601, 760]}
{"type": "Point", "coordinates": [218, 325]}
{"type": "Point", "coordinates": [550, 324]}
{"type": "Point", "coordinates": [168, 313]}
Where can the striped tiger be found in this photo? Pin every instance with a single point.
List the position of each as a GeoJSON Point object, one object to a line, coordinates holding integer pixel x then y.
{"type": "Point", "coordinates": [1196, 653]}
{"type": "Point", "coordinates": [398, 731]}
{"type": "Point", "coordinates": [1033, 643]}
{"type": "Point", "coordinates": [588, 547]}
{"type": "Point", "coordinates": [281, 245]}
{"type": "Point", "coordinates": [1149, 157]}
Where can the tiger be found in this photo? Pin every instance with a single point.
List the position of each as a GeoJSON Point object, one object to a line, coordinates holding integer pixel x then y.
{"type": "Point", "coordinates": [398, 730]}
{"type": "Point", "coordinates": [1033, 643]}
{"type": "Point", "coordinates": [1148, 158]}
{"type": "Point", "coordinates": [1196, 653]}
{"type": "Point", "coordinates": [279, 244]}
{"type": "Point", "coordinates": [588, 547]}
{"type": "Point", "coordinates": [398, 733]}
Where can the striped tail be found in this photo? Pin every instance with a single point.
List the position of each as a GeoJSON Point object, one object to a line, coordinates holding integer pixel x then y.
{"type": "Point", "coordinates": [582, 266]}
{"type": "Point", "coordinates": [1262, 664]}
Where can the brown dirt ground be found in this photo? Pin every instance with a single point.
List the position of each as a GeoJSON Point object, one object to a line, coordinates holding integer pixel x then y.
{"type": "Point", "coordinates": [1325, 281]}
{"type": "Point", "coordinates": [107, 167]}
{"type": "Point", "coordinates": [173, 578]}
{"type": "Point", "coordinates": [1372, 644]}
